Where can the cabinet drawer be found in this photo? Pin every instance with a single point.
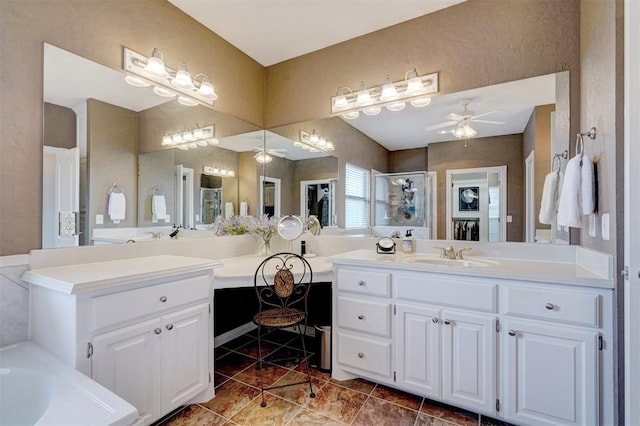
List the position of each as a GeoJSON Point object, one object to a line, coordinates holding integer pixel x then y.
{"type": "Point", "coordinates": [128, 305]}
{"type": "Point", "coordinates": [365, 354]}
{"type": "Point", "coordinates": [553, 305]}
{"type": "Point", "coordinates": [364, 315]}
{"type": "Point", "coordinates": [439, 290]}
{"type": "Point", "coordinates": [365, 282]}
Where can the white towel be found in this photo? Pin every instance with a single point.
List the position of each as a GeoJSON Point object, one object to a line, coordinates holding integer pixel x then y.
{"type": "Point", "coordinates": [158, 208]}
{"type": "Point", "coordinates": [577, 194]}
{"type": "Point", "coordinates": [549, 202]}
{"type": "Point", "coordinates": [228, 210]}
{"type": "Point", "coordinates": [244, 209]}
{"type": "Point", "coordinates": [117, 206]}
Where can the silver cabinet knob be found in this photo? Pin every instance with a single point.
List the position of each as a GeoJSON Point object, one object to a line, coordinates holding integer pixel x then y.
{"type": "Point", "coordinates": [434, 320]}
{"type": "Point", "coordinates": [512, 332]}
{"type": "Point", "coordinates": [447, 322]}
{"type": "Point", "coordinates": [360, 355]}
{"type": "Point", "coordinates": [157, 330]}
{"type": "Point", "coordinates": [550, 306]}
{"type": "Point", "coordinates": [362, 283]}
{"type": "Point", "coordinates": [169, 326]}
{"type": "Point", "coordinates": [163, 299]}
{"type": "Point", "coordinates": [360, 317]}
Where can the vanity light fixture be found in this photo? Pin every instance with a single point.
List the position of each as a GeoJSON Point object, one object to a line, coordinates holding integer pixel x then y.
{"type": "Point", "coordinates": [216, 171]}
{"type": "Point", "coordinates": [314, 142]}
{"type": "Point", "coordinates": [152, 71]}
{"type": "Point", "coordinates": [415, 89]}
{"type": "Point", "coordinates": [190, 138]}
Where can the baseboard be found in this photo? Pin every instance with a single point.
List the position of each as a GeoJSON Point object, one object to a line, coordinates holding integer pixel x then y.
{"type": "Point", "coordinates": [245, 328]}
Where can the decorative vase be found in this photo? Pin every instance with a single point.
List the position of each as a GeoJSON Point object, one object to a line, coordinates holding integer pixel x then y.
{"type": "Point", "coordinates": [266, 247]}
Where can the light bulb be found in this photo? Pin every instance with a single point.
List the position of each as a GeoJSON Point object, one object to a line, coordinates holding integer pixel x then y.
{"type": "Point", "coordinates": [363, 97]}
{"type": "Point", "coordinates": [231, 173]}
{"type": "Point", "coordinates": [206, 89]}
{"type": "Point", "coordinates": [187, 135]}
{"type": "Point", "coordinates": [340, 100]}
{"type": "Point", "coordinates": [182, 80]}
{"type": "Point", "coordinates": [161, 91]}
{"type": "Point", "coordinates": [176, 138]}
{"type": "Point", "coordinates": [388, 90]}
{"type": "Point", "coordinates": [313, 138]}
{"type": "Point", "coordinates": [155, 65]}
{"type": "Point", "coordinates": [166, 140]}
{"type": "Point", "coordinates": [322, 142]}
{"type": "Point", "coordinates": [414, 83]}
{"type": "Point", "coordinates": [198, 133]}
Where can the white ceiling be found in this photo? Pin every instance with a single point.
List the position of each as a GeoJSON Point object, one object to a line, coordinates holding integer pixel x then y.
{"type": "Point", "coordinates": [272, 31]}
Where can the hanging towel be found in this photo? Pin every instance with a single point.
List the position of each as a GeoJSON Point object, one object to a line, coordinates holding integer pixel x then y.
{"type": "Point", "coordinates": [228, 210]}
{"type": "Point", "coordinates": [549, 202]}
{"type": "Point", "coordinates": [117, 206]}
{"type": "Point", "coordinates": [577, 196]}
{"type": "Point", "coordinates": [244, 209]}
{"type": "Point", "coordinates": [158, 208]}
{"type": "Point", "coordinates": [587, 190]}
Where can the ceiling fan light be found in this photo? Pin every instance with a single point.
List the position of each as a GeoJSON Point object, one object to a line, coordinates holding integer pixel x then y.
{"type": "Point", "coordinates": [421, 102]}
{"type": "Point", "coordinates": [155, 65]}
{"type": "Point", "coordinates": [351, 115]}
{"type": "Point", "coordinates": [161, 91]}
{"type": "Point", "coordinates": [464, 131]}
{"type": "Point", "coordinates": [136, 81]}
{"type": "Point", "coordinates": [396, 106]}
{"type": "Point", "coordinates": [262, 157]}
{"type": "Point", "coordinates": [363, 97]}
{"type": "Point", "coordinates": [182, 80]}
{"type": "Point", "coordinates": [372, 110]}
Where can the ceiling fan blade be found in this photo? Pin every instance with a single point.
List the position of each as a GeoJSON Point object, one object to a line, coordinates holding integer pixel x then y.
{"type": "Point", "coordinates": [482, 115]}
{"type": "Point", "coordinates": [454, 116]}
{"type": "Point", "coordinates": [441, 125]}
{"type": "Point", "coordinates": [444, 132]}
{"type": "Point", "coordinates": [488, 122]}
{"type": "Point", "coordinates": [276, 153]}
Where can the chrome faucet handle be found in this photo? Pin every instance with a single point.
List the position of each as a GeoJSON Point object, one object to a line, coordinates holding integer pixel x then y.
{"type": "Point", "coordinates": [459, 253]}
{"type": "Point", "coordinates": [443, 251]}
{"type": "Point", "coordinates": [450, 252]}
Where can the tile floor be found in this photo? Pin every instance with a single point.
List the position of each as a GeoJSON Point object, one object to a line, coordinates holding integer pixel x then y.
{"type": "Point", "coordinates": [352, 402]}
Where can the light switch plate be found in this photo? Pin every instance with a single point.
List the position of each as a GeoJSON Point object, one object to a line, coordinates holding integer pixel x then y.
{"type": "Point", "coordinates": [606, 229]}
{"type": "Point", "coordinates": [99, 219]}
{"type": "Point", "coordinates": [509, 218]}
{"type": "Point", "coordinates": [592, 225]}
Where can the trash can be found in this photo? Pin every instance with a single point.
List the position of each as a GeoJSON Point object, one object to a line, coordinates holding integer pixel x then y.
{"type": "Point", "coordinates": [322, 359]}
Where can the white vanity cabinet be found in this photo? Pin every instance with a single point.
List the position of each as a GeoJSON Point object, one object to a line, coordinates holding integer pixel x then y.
{"type": "Point", "coordinates": [531, 353]}
{"type": "Point", "coordinates": [144, 332]}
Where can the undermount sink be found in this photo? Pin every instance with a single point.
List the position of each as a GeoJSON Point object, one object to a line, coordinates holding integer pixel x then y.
{"type": "Point", "coordinates": [439, 261]}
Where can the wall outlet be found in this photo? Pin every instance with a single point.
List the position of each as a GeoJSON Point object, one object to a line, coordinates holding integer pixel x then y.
{"type": "Point", "coordinates": [606, 227]}
{"type": "Point", "coordinates": [99, 219]}
{"type": "Point", "coordinates": [592, 225]}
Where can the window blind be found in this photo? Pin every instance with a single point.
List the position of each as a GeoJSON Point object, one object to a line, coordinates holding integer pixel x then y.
{"type": "Point", "coordinates": [357, 197]}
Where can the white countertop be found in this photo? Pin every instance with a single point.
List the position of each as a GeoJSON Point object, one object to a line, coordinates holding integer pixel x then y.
{"type": "Point", "coordinates": [85, 277]}
{"type": "Point", "coordinates": [517, 269]}
{"type": "Point", "coordinates": [239, 271]}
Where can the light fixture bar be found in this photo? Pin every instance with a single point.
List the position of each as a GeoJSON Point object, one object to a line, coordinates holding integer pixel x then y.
{"type": "Point", "coordinates": [201, 93]}
{"type": "Point", "coordinates": [415, 90]}
{"type": "Point", "coordinates": [314, 142]}
{"type": "Point", "coordinates": [215, 171]}
{"type": "Point", "coordinates": [190, 138]}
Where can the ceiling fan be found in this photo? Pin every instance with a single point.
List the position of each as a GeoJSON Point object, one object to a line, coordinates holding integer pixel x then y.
{"type": "Point", "coordinates": [463, 122]}
{"type": "Point", "coordinates": [264, 155]}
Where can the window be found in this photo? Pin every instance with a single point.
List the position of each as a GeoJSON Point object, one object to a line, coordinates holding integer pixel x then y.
{"type": "Point", "coordinates": [356, 197]}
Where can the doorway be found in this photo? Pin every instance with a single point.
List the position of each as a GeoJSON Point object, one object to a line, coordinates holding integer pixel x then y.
{"type": "Point", "coordinates": [60, 197]}
{"type": "Point", "coordinates": [270, 196]}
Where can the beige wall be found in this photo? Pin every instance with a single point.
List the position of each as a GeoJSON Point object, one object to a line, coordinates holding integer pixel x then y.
{"type": "Point", "coordinates": [59, 126]}
{"type": "Point", "coordinates": [483, 152]}
{"type": "Point", "coordinates": [96, 30]}
{"type": "Point", "coordinates": [408, 160]}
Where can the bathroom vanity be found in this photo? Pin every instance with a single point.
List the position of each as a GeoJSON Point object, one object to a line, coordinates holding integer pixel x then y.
{"type": "Point", "coordinates": [141, 327]}
{"type": "Point", "coordinates": [527, 341]}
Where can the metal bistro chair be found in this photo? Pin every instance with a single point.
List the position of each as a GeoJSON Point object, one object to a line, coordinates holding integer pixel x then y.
{"type": "Point", "coordinates": [282, 299]}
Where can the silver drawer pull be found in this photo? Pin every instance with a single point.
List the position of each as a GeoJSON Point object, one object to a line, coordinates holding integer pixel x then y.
{"type": "Point", "coordinates": [434, 320]}
{"type": "Point", "coordinates": [362, 283]}
{"type": "Point", "coordinates": [550, 306]}
{"type": "Point", "coordinates": [360, 355]}
{"type": "Point", "coordinates": [169, 326]}
{"type": "Point", "coordinates": [157, 330]}
{"type": "Point", "coordinates": [447, 322]}
{"type": "Point", "coordinates": [163, 299]}
{"type": "Point", "coordinates": [360, 317]}
{"type": "Point", "coordinates": [512, 332]}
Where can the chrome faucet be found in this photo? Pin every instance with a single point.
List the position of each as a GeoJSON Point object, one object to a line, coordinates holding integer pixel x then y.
{"type": "Point", "coordinates": [395, 234]}
{"type": "Point", "coordinates": [155, 235]}
{"type": "Point", "coordinates": [450, 252]}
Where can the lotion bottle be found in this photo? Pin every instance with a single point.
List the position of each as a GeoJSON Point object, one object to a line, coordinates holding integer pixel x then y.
{"type": "Point", "coordinates": [408, 243]}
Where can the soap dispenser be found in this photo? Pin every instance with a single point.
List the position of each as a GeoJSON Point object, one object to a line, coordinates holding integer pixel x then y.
{"type": "Point", "coordinates": [408, 243]}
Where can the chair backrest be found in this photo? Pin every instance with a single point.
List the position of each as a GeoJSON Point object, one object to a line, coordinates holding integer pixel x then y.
{"type": "Point", "coordinates": [282, 280]}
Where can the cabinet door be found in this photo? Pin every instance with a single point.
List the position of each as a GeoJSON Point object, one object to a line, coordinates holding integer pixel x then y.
{"type": "Point", "coordinates": [185, 355]}
{"type": "Point", "coordinates": [418, 348]}
{"type": "Point", "coordinates": [551, 374]}
{"type": "Point", "coordinates": [127, 362]}
{"type": "Point", "coordinates": [469, 360]}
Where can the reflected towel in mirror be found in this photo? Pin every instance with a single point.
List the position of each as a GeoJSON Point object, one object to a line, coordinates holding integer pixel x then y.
{"type": "Point", "coordinates": [549, 202]}
{"type": "Point", "coordinates": [244, 209]}
{"type": "Point", "coordinates": [117, 206]}
{"type": "Point", "coordinates": [228, 210]}
{"type": "Point", "coordinates": [158, 208]}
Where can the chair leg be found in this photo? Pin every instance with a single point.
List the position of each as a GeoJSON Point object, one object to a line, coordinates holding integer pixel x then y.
{"type": "Point", "coordinates": [263, 403]}
{"type": "Point", "coordinates": [306, 361]}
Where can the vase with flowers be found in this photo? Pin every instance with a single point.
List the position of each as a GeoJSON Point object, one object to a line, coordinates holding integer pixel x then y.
{"type": "Point", "coordinates": [264, 228]}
